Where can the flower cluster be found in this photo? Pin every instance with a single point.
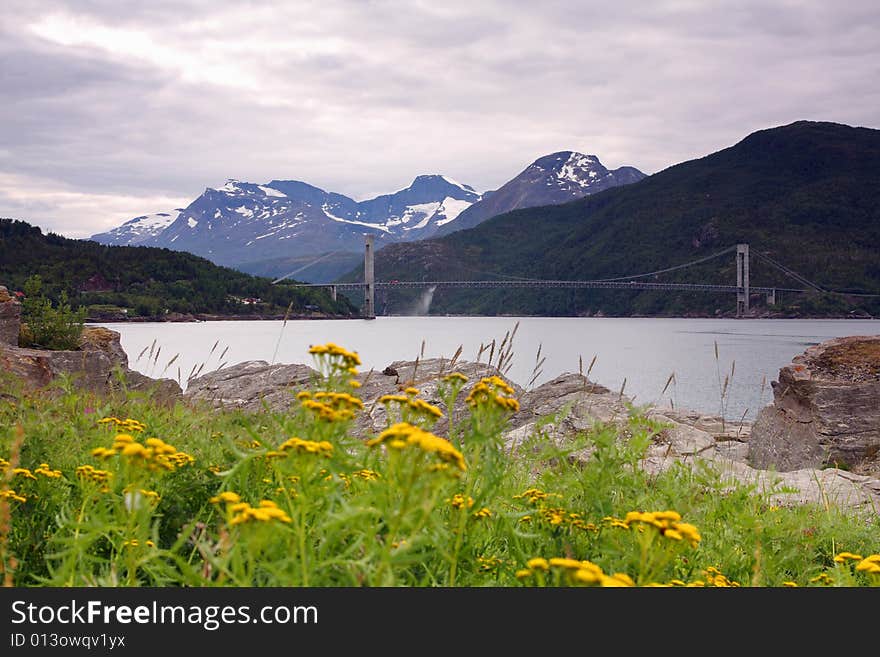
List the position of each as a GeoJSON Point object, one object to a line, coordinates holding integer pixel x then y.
{"type": "Point", "coordinates": [408, 400]}
{"type": "Point", "coordinates": [715, 577]}
{"type": "Point", "coordinates": [573, 572]}
{"type": "Point", "coordinates": [25, 473]}
{"type": "Point", "coordinates": [90, 473]}
{"type": "Point", "coordinates": [133, 543]}
{"type": "Point", "coordinates": [555, 516]}
{"type": "Point", "coordinates": [331, 406]}
{"type": "Point", "coordinates": [9, 494]}
{"type": "Point", "coordinates": [337, 359]}
{"type": "Point", "coordinates": [128, 424]}
{"type": "Point", "coordinates": [366, 474]}
{"type": "Point", "coordinates": [240, 512]}
{"type": "Point", "coordinates": [869, 564]}
{"type": "Point", "coordinates": [535, 495]}
{"type": "Point", "coordinates": [558, 517]}
{"type": "Point", "coordinates": [459, 501]}
{"type": "Point", "coordinates": [46, 471]}
{"type": "Point", "coordinates": [488, 564]}
{"type": "Point", "coordinates": [322, 448]}
{"type": "Point", "coordinates": [403, 435]}
{"type": "Point", "coordinates": [495, 391]}
{"type": "Point", "coordinates": [666, 522]}
{"type": "Point", "coordinates": [154, 454]}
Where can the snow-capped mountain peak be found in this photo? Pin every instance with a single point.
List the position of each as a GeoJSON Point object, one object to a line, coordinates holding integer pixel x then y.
{"type": "Point", "coordinates": [240, 223]}
{"type": "Point", "coordinates": [555, 178]}
{"type": "Point", "coordinates": [139, 230]}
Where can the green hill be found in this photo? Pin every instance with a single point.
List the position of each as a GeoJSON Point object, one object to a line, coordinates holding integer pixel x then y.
{"type": "Point", "coordinates": [145, 281]}
{"type": "Point", "coordinates": [805, 194]}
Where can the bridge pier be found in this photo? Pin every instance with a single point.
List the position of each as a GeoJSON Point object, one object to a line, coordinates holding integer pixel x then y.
{"type": "Point", "coordinates": [333, 292]}
{"type": "Point", "coordinates": [771, 297]}
{"type": "Point", "coordinates": [742, 279]}
{"type": "Point", "coordinates": [369, 279]}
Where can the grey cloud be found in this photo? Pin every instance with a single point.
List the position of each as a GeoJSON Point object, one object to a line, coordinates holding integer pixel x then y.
{"type": "Point", "coordinates": [359, 97]}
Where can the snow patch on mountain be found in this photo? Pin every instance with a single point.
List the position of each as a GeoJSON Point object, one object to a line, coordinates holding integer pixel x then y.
{"type": "Point", "coordinates": [451, 208]}
{"type": "Point", "coordinates": [332, 216]}
{"type": "Point", "coordinates": [139, 229]}
{"type": "Point", "coordinates": [268, 191]}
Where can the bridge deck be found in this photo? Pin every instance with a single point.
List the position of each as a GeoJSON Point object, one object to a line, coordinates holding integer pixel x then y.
{"type": "Point", "coordinates": [615, 285]}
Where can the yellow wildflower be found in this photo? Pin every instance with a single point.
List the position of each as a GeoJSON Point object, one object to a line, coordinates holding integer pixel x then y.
{"type": "Point", "coordinates": [487, 391]}
{"type": "Point", "coordinates": [366, 475]}
{"type": "Point", "coordinates": [92, 474]}
{"type": "Point", "coordinates": [24, 472]}
{"type": "Point", "coordinates": [844, 556]}
{"type": "Point", "coordinates": [538, 563]}
{"type": "Point", "coordinates": [404, 434]}
{"type": "Point", "coordinates": [226, 497]}
{"type": "Point", "coordinates": [341, 358]}
{"type": "Point", "coordinates": [870, 564]}
{"type": "Point", "coordinates": [535, 495]}
{"type": "Point", "coordinates": [267, 511]}
{"type": "Point", "coordinates": [455, 376]}
{"type": "Point", "coordinates": [10, 494]}
{"type": "Point", "coordinates": [585, 576]}
{"type": "Point", "coordinates": [424, 407]}
{"type": "Point", "coordinates": [48, 472]}
{"type": "Point", "coordinates": [617, 579]}
{"type": "Point", "coordinates": [294, 444]}
{"type": "Point", "coordinates": [459, 501]}
{"type": "Point", "coordinates": [483, 513]}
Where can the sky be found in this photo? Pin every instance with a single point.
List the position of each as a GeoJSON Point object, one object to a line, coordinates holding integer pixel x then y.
{"type": "Point", "coordinates": [112, 109]}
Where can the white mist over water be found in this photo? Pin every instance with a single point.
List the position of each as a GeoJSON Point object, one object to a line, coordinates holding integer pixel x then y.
{"type": "Point", "coordinates": [423, 305]}
{"type": "Point", "coordinates": [643, 351]}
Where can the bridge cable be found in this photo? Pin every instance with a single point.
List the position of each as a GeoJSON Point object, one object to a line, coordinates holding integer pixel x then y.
{"type": "Point", "coordinates": [620, 278]}
{"type": "Point", "coordinates": [306, 266]}
{"type": "Point", "coordinates": [789, 272]}
{"type": "Point", "coordinates": [663, 271]}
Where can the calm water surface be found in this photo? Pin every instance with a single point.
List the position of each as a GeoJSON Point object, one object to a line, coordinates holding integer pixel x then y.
{"type": "Point", "coordinates": [638, 354]}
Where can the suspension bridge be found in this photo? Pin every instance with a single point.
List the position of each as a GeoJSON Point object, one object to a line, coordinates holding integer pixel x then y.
{"type": "Point", "coordinates": [742, 289]}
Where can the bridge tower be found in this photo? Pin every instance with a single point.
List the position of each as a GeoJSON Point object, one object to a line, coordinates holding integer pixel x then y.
{"type": "Point", "coordinates": [369, 279]}
{"type": "Point", "coordinates": [742, 279]}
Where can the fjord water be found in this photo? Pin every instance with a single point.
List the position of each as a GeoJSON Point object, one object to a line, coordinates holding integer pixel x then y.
{"type": "Point", "coordinates": [638, 354]}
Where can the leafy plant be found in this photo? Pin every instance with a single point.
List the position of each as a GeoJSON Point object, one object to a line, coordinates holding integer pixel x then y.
{"type": "Point", "coordinates": [45, 326]}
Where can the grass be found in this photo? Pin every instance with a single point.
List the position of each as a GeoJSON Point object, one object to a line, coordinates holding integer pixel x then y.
{"type": "Point", "coordinates": [124, 491]}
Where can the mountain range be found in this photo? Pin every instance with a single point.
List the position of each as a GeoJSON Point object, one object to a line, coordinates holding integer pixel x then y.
{"type": "Point", "coordinates": [806, 195]}
{"type": "Point", "coordinates": [287, 227]}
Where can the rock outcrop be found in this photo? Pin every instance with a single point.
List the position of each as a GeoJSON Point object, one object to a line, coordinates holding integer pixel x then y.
{"type": "Point", "coordinates": [10, 318]}
{"type": "Point", "coordinates": [681, 437]}
{"type": "Point", "coordinates": [825, 411]}
{"type": "Point", "coordinates": [99, 366]}
{"type": "Point", "coordinates": [557, 411]}
{"type": "Point", "coordinates": [251, 385]}
{"type": "Point", "coordinates": [254, 385]}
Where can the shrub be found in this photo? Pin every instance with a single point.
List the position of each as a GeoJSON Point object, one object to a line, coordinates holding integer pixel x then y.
{"type": "Point", "coordinates": [45, 326]}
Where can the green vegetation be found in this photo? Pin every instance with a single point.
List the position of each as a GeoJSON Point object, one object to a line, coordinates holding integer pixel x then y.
{"type": "Point", "coordinates": [45, 326]}
{"type": "Point", "coordinates": [806, 195]}
{"type": "Point", "coordinates": [128, 492]}
{"type": "Point", "coordinates": [144, 281]}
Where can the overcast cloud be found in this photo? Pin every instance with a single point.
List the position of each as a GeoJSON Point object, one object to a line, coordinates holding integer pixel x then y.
{"type": "Point", "coordinates": [113, 109]}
